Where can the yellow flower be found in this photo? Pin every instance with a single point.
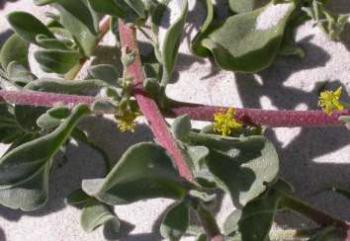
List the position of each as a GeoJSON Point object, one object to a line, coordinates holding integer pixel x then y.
{"type": "Point", "coordinates": [329, 101]}
{"type": "Point", "coordinates": [224, 123]}
{"type": "Point", "coordinates": [126, 122]}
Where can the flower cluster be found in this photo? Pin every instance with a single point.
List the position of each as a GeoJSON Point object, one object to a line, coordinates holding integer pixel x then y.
{"type": "Point", "coordinates": [225, 123]}
{"type": "Point", "coordinates": [126, 122]}
{"type": "Point", "coordinates": [329, 101]}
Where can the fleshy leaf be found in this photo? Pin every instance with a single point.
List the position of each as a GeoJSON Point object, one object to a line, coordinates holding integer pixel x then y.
{"type": "Point", "coordinates": [145, 171]}
{"type": "Point", "coordinates": [19, 74]}
{"type": "Point", "coordinates": [95, 214]}
{"type": "Point", "coordinates": [105, 72]}
{"type": "Point", "coordinates": [63, 86]}
{"type": "Point", "coordinates": [175, 222]}
{"type": "Point", "coordinates": [241, 6]}
{"type": "Point", "coordinates": [252, 162]}
{"type": "Point", "coordinates": [7, 55]}
{"type": "Point", "coordinates": [249, 42]}
{"type": "Point", "coordinates": [24, 171]}
{"type": "Point", "coordinates": [78, 18]}
{"type": "Point", "coordinates": [57, 61]}
{"type": "Point", "coordinates": [169, 24]}
{"type": "Point", "coordinates": [257, 217]}
{"type": "Point", "coordinates": [27, 26]}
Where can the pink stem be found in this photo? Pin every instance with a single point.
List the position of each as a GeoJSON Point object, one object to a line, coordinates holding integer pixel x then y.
{"type": "Point", "coordinates": [269, 118]}
{"type": "Point", "coordinates": [148, 106]}
{"type": "Point", "coordinates": [35, 98]}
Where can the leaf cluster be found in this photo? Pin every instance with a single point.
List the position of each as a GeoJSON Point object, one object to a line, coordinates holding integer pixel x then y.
{"type": "Point", "coordinates": [243, 165]}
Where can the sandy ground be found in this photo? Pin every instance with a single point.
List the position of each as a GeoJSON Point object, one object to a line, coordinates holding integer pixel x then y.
{"type": "Point", "coordinates": [310, 158]}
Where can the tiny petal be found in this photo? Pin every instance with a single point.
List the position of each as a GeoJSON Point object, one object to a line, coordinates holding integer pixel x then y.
{"type": "Point", "coordinates": [329, 101]}
{"type": "Point", "coordinates": [224, 123]}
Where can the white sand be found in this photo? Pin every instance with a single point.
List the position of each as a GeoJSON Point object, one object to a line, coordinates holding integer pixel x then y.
{"type": "Point", "coordinates": [271, 16]}
{"type": "Point", "coordinates": [311, 159]}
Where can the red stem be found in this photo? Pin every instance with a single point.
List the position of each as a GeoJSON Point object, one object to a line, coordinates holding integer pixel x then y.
{"type": "Point", "coordinates": [148, 106]}
{"type": "Point", "coordinates": [35, 98]}
{"type": "Point", "coordinates": [268, 118]}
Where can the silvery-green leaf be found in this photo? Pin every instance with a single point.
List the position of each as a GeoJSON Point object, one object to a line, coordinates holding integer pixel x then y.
{"type": "Point", "coordinates": [145, 171]}
{"type": "Point", "coordinates": [181, 127]}
{"type": "Point", "coordinates": [231, 222]}
{"type": "Point", "coordinates": [24, 171]}
{"type": "Point", "coordinates": [77, 198]}
{"type": "Point", "coordinates": [95, 214]}
{"type": "Point", "coordinates": [197, 46]}
{"type": "Point", "coordinates": [105, 72]}
{"type": "Point", "coordinates": [7, 55]}
{"type": "Point", "coordinates": [241, 6]}
{"type": "Point", "coordinates": [57, 61]}
{"type": "Point", "coordinates": [252, 162]}
{"type": "Point", "coordinates": [66, 86]}
{"type": "Point", "coordinates": [27, 26]}
{"type": "Point", "coordinates": [169, 24]}
{"type": "Point", "coordinates": [19, 74]}
{"type": "Point", "coordinates": [52, 118]}
{"type": "Point", "coordinates": [78, 18]}
{"type": "Point", "coordinates": [249, 42]}
{"type": "Point", "coordinates": [175, 222]}
{"type": "Point", "coordinates": [257, 217]}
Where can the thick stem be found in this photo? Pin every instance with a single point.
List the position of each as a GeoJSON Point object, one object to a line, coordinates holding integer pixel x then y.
{"type": "Point", "coordinates": [269, 118]}
{"type": "Point", "coordinates": [147, 105]}
{"type": "Point", "coordinates": [35, 98]}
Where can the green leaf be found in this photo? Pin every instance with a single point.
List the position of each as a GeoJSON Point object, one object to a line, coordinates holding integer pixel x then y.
{"type": "Point", "coordinates": [105, 72]}
{"type": "Point", "coordinates": [27, 26]}
{"type": "Point", "coordinates": [175, 222]}
{"type": "Point", "coordinates": [24, 171]}
{"type": "Point", "coordinates": [26, 117]}
{"type": "Point", "coordinates": [57, 61]}
{"type": "Point", "coordinates": [8, 55]}
{"type": "Point", "coordinates": [77, 198]}
{"type": "Point", "coordinates": [11, 130]}
{"type": "Point", "coordinates": [77, 87]}
{"type": "Point", "coordinates": [242, 166]}
{"type": "Point", "coordinates": [19, 74]}
{"type": "Point", "coordinates": [96, 214]}
{"type": "Point", "coordinates": [145, 171]}
{"type": "Point", "coordinates": [52, 118]}
{"type": "Point", "coordinates": [169, 25]}
{"type": "Point", "coordinates": [130, 10]}
{"type": "Point", "coordinates": [231, 222]}
{"type": "Point", "coordinates": [77, 17]}
{"type": "Point", "coordinates": [257, 217]}
{"type": "Point", "coordinates": [249, 42]}
{"type": "Point", "coordinates": [181, 127]}
{"type": "Point", "coordinates": [241, 6]}
{"type": "Point", "coordinates": [197, 45]}
{"type": "Point", "coordinates": [109, 7]}
{"type": "Point", "coordinates": [51, 43]}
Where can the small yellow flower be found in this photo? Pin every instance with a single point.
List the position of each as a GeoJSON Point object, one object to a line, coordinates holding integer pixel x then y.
{"type": "Point", "coordinates": [224, 123]}
{"type": "Point", "coordinates": [126, 122]}
{"type": "Point", "coordinates": [329, 101]}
